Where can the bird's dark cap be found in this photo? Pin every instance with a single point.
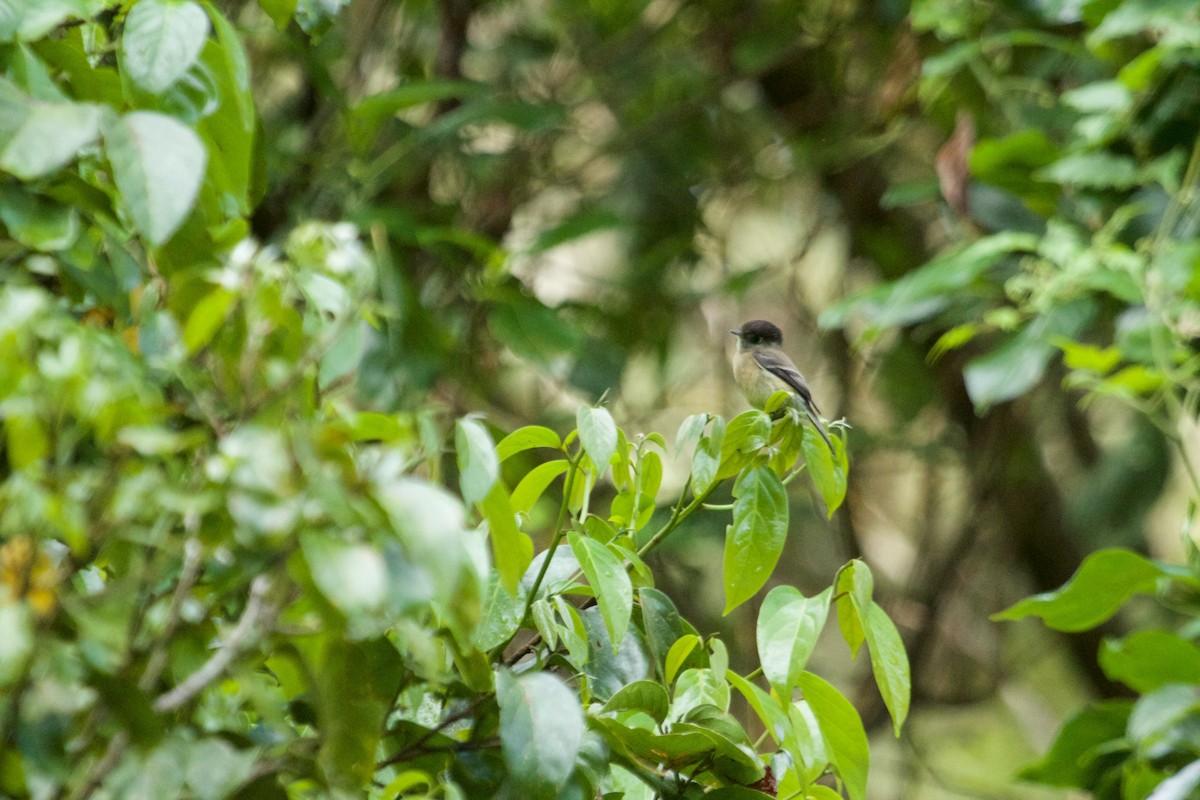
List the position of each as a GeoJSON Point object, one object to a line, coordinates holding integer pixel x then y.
{"type": "Point", "coordinates": [758, 331]}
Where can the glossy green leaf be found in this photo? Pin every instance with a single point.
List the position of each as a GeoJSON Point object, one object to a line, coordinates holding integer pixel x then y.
{"type": "Point", "coordinates": [699, 687]}
{"type": "Point", "coordinates": [1102, 584]}
{"type": "Point", "coordinates": [535, 483]}
{"type": "Point", "coordinates": [690, 430]}
{"type": "Point", "coordinates": [598, 433]}
{"type": "Point", "coordinates": [1147, 660]}
{"type": "Point", "coordinates": [889, 663]}
{"type": "Point", "coordinates": [162, 41]}
{"type": "Point", "coordinates": [854, 588]}
{"type": "Point", "coordinates": [648, 696]}
{"type": "Point", "coordinates": [511, 550]}
{"type": "Point", "coordinates": [706, 461]}
{"type": "Point", "coordinates": [754, 542]}
{"type": "Point", "coordinates": [502, 613]}
{"type": "Point", "coordinates": [478, 466]}
{"type": "Point", "coordinates": [610, 668]}
{"type": "Point", "coordinates": [828, 469]}
{"type": "Point", "coordinates": [606, 574]}
{"type": "Point", "coordinates": [527, 438]}
{"type": "Point", "coordinates": [661, 623]}
{"type": "Point", "coordinates": [788, 627]}
{"type": "Point", "coordinates": [843, 732]}
{"type": "Point", "coordinates": [158, 164]}
{"type": "Point", "coordinates": [772, 715]}
{"type": "Point", "coordinates": [678, 654]}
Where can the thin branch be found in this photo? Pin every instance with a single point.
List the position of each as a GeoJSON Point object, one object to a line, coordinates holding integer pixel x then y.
{"type": "Point", "coordinates": [257, 611]}
{"type": "Point", "coordinates": [188, 573]}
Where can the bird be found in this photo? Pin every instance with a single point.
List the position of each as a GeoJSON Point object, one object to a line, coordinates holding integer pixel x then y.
{"type": "Point", "coordinates": [761, 368]}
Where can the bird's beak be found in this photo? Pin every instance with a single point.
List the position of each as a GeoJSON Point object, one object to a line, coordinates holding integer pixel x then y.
{"type": "Point", "coordinates": [736, 333]}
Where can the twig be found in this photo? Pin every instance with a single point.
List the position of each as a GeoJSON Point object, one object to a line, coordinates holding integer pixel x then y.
{"type": "Point", "coordinates": [188, 573]}
{"type": "Point", "coordinates": [256, 612]}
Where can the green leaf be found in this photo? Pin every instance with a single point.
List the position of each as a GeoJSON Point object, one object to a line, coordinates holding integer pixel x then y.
{"type": "Point", "coordinates": [1183, 785]}
{"type": "Point", "coordinates": [527, 438]}
{"type": "Point", "coordinates": [478, 466]}
{"type": "Point", "coordinates": [698, 687]}
{"type": "Point", "coordinates": [889, 663]}
{"type": "Point", "coordinates": [1102, 584]}
{"type": "Point", "coordinates": [162, 41]}
{"type": "Point", "coordinates": [511, 550]}
{"type": "Point", "coordinates": [502, 614]}
{"type": "Point", "coordinates": [854, 587]}
{"type": "Point", "coordinates": [38, 222]}
{"type": "Point", "coordinates": [158, 164]}
{"type": "Point", "coordinates": [662, 624]}
{"type": "Point", "coordinates": [648, 696]}
{"type": "Point", "coordinates": [280, 11]}
{"type": "Point", "coordinates": [609, 668]}
{"type": "Point", "coordinates": [535, 483]}
{"type": "Point", "coordinates": [598, 433]}
{"type": "Point", "coordinates": [772, 715]}
{"type": "Point", "coordinates": [541, 730]}
{"type": "Point", "coordinates": [32, 19]}
{"type": "Point", "coordinates": [678, 654]}
{"type": "Point", "coordinates": [38, 138]}
{"type": "Point", "coordinates": [26, 440]}
{"type": "Point", "coordinates": [207, 317]}
{"type": "Point", "coordinates": [1092, 170]}
{"type": "Point", "coordinates": [690, 430]}
{"type": "Point", "coordinates": [828, 469]}
{"type": "Point", "coordinates": [843, 732]}
{"type": "Point", "coordinates": [788, 626]}
{"type": "Point", "coordinates": [1147, 660]}
{"type": "Point", "coordinates": [706, 461]}
{"type": "Point", "coordinates": [929, 290]}
{"type": "Point", "coordinates": [1017, 365]}
{"type": "Point", "coordinates": [609, 580]}
{"type": "Point", "coordinates": [16, 641]}
{"type": "Point", "coordinates": [356, 683]}
{"type": "Point", "coordinates": [754, 542]}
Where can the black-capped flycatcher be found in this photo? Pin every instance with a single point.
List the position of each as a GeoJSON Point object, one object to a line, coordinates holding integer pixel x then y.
{"type": "Point", "coordinates": [761, 368]}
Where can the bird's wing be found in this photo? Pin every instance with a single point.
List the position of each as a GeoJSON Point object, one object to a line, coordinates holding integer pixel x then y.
{"type": "Point", "coordinates": [781, 368]}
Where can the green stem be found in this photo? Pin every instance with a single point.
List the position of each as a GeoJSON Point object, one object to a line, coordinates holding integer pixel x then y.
{"type": "Point", "coordinates": [678, 515]}
{"type": "Point", "coordinates": [559, 524]}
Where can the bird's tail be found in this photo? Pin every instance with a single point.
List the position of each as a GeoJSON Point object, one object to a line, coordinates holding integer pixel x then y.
{"type": "Point", "coordinates": [816, 421]}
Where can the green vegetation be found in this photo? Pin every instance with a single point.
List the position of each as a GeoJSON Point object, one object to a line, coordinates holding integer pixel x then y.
{"type": "Point", "coordinates": [334, 340]}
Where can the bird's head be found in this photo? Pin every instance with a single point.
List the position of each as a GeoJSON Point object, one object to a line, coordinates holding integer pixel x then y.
{"type": "Point", "coordinates": [758, 331]}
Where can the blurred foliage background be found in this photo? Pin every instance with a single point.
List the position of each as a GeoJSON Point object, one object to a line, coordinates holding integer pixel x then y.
{"type": "Point", "coordinates": [974, 222]}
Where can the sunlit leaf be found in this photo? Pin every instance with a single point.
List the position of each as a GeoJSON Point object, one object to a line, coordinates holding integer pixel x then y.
{"type": "Point", "coordinates": [889, 663]}
{"type": "Point", "coordinates": [843, 731]}
{"type": "Point", "coordinates": [604, 571]}
{"type": "Point", "coordinates": [527, 438]}
{"type": "Point", "coordinates": [598, 433]}
{"type": "Point", "coordinates": [788, 626]}
{"type": "Point", "coordinates": [162, 40]}
{"type": "Point", "coordinates": [158, 164]}
{"type": "Point", "coordinates": [478, 466]}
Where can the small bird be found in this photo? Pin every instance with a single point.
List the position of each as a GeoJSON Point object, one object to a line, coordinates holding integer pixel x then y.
{"type": "Point", "coordinates": [761, 368]}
